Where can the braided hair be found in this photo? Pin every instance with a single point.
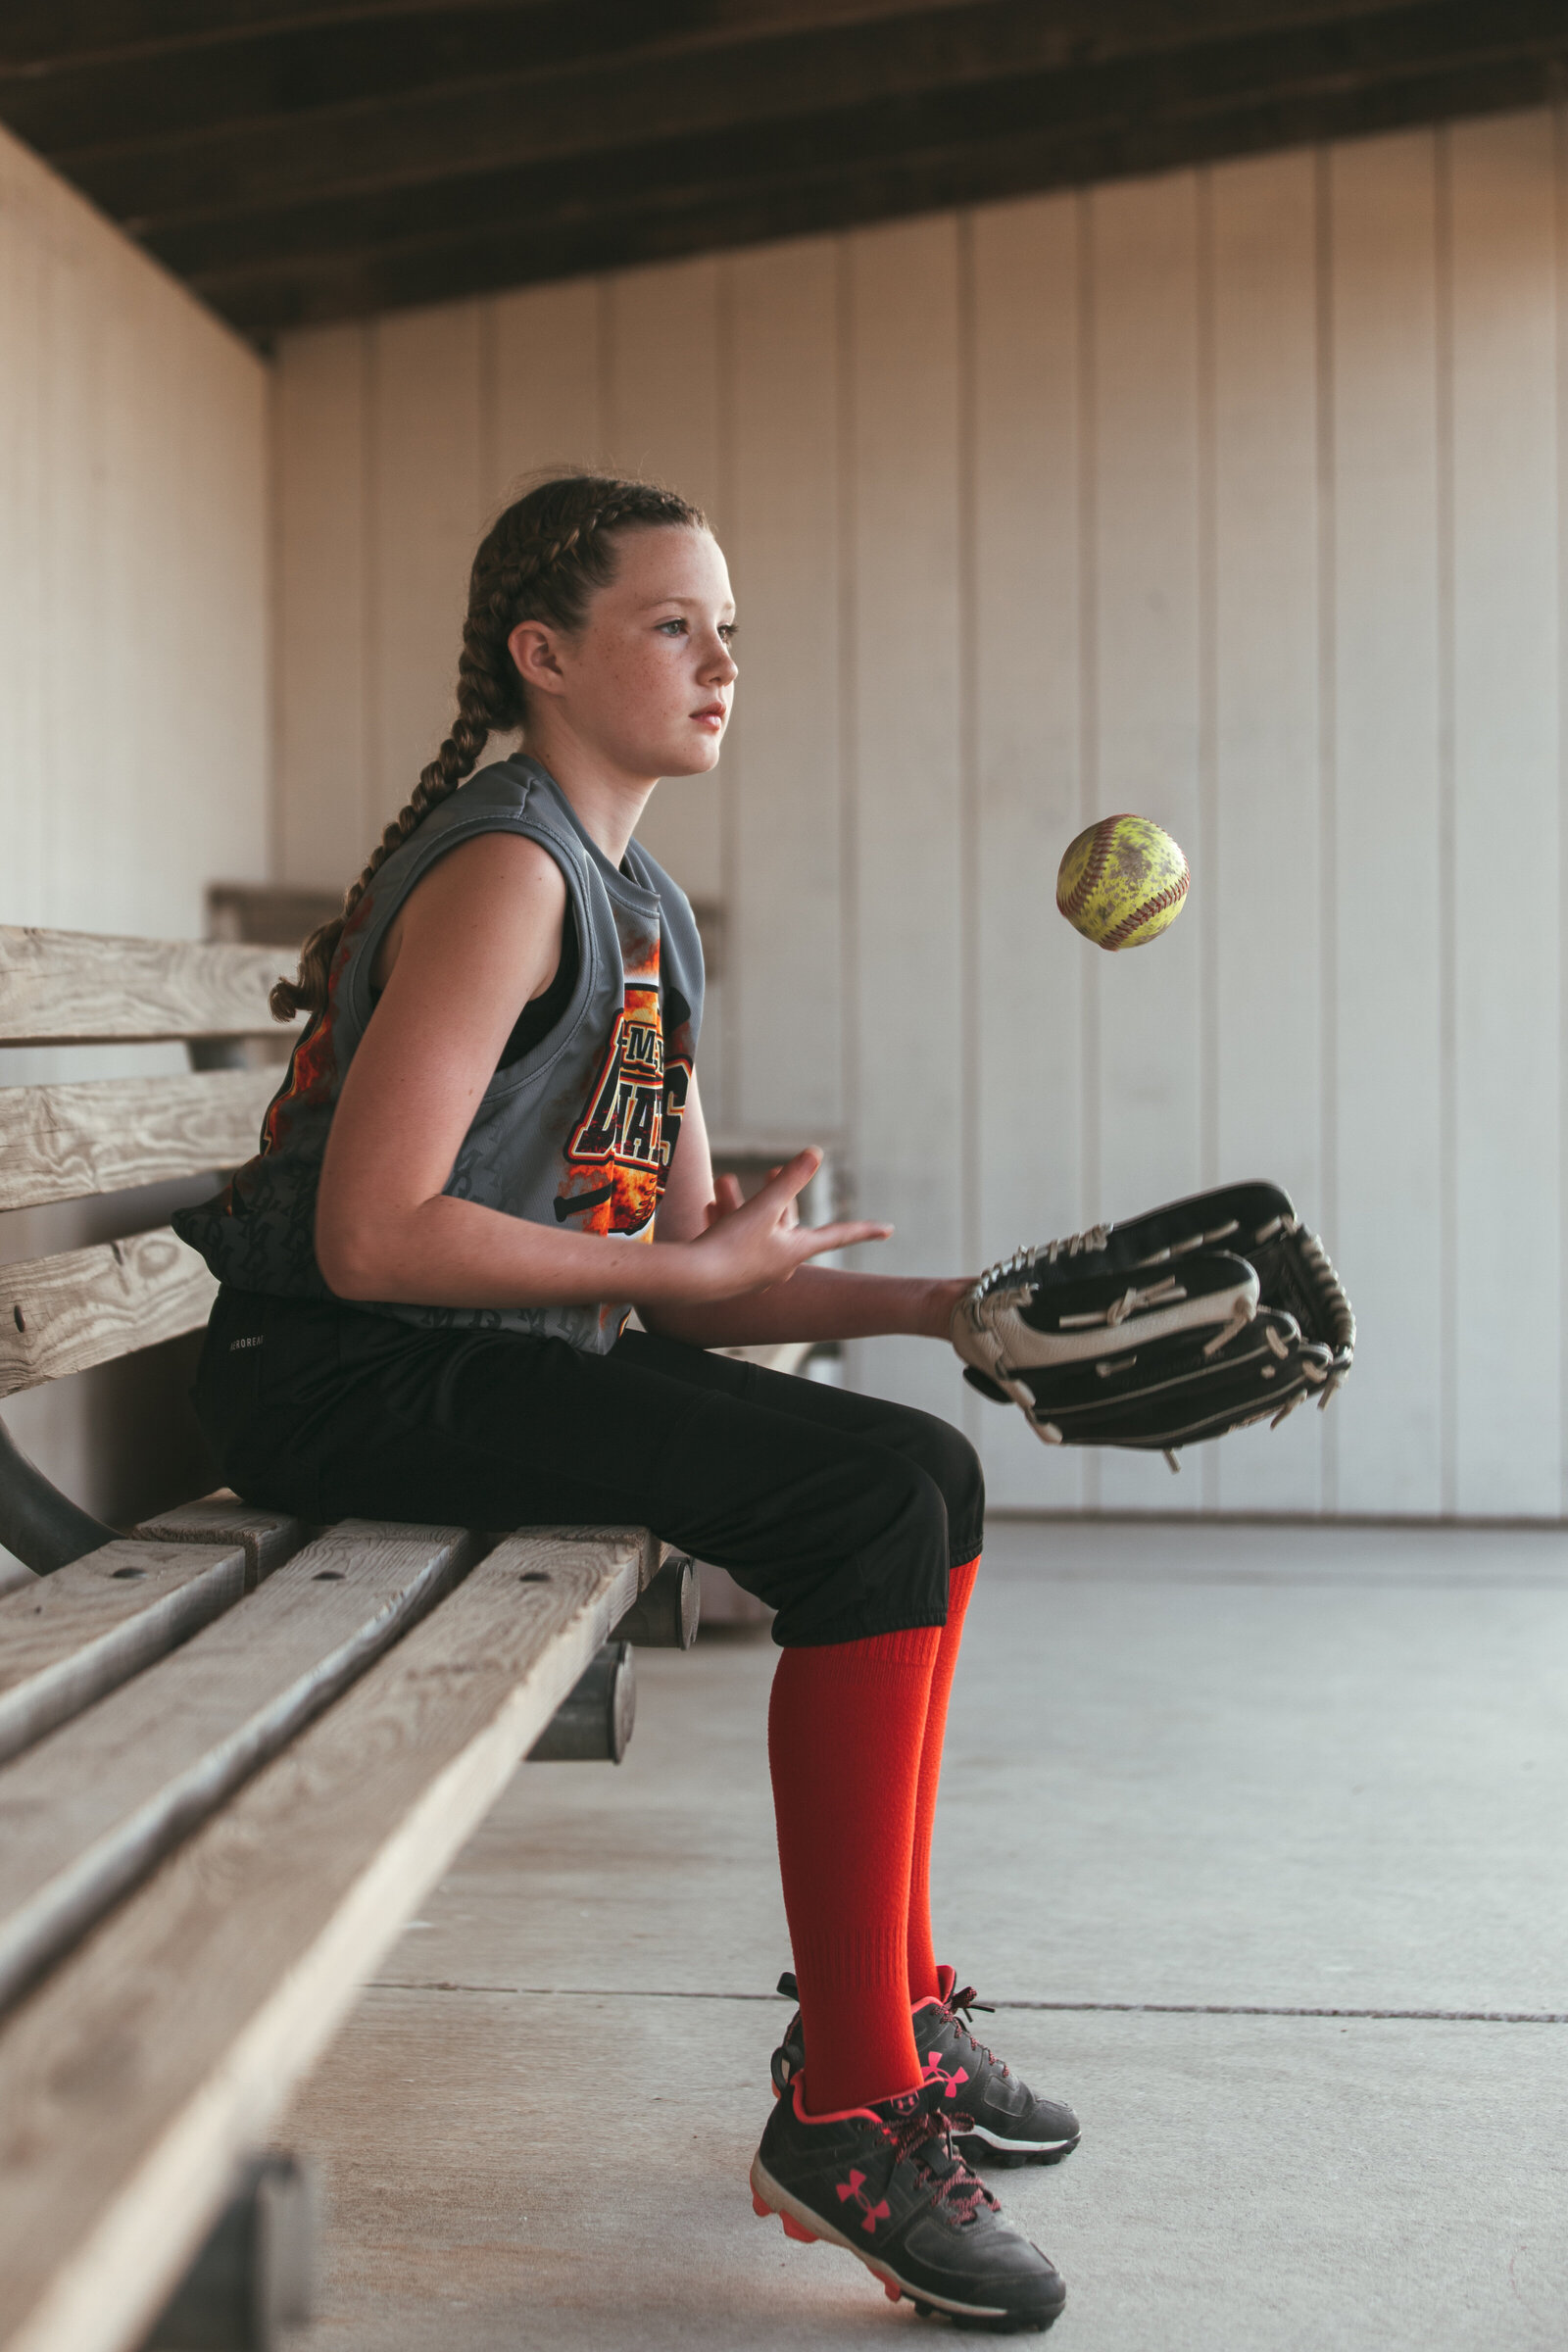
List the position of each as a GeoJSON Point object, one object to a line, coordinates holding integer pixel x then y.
{"type": "Point", "coordinates": [542, 560]}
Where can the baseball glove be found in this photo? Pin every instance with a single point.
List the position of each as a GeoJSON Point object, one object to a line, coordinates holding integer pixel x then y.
{"type": "Point", "coordinates": [1200, 1318]}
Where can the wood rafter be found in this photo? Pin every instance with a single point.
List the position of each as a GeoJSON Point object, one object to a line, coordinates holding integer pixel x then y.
{"type": "Point", "coordinates": [297, 163]}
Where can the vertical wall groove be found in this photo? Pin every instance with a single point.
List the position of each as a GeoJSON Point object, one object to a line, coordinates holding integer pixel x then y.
{"type": "Point", "coordinates": [1328, 741]}
{"type": "Point", "coordinates": [1448, 1111]}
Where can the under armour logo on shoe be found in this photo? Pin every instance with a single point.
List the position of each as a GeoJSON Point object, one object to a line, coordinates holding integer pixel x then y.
{"type": "Point", "coordinates": [935, 2071]}
{"type": "Point", "coordinates": [855, 2188]}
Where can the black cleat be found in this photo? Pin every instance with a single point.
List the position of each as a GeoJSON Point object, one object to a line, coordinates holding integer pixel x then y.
{"type": "Point", "coordinates": [994, 2117]}
{"type": "Point", "coordinates": [887, 2185]}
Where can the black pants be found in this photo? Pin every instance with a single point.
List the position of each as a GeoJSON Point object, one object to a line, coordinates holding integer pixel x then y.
{"type": "Point", "coordinates": [842, 1512]}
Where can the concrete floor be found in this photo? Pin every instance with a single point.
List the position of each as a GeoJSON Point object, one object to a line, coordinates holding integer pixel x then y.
{"type": "Point", "coordinates": [1256, 1837]}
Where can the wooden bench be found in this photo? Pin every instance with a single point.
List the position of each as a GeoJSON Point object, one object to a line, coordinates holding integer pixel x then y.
{"type": "Point", "coordinates": [236, 1752]}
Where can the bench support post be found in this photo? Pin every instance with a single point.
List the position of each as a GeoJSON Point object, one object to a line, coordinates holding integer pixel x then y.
{"type": "Point", "coordinates": [41, 1525]}
{"type": "Point", "coordinates": [253, 2278]}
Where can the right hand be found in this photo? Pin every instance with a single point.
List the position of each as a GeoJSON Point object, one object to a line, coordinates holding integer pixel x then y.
{"type": "Point", "coordinates": [750, 1245]}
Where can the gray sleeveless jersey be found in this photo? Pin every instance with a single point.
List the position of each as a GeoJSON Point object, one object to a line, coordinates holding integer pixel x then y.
{"type": "Point", "coordinates": [579, 1133]}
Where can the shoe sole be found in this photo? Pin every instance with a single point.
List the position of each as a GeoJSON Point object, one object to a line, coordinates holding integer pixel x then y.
{"type": "Point", "coordinates": [770, 2197]}
{"type": "Point", "coordinates": [1006, 2152]}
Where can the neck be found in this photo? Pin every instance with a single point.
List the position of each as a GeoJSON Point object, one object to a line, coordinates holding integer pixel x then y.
{"type": "Point", "coordinates": [608, 802]}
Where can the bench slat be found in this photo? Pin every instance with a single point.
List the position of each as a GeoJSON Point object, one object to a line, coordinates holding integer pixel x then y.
{"type": "Point", "coordinates": [167, 2046]}
{"type": "Point", "coordinates": [80, 988]}
{"type": "Point", "coordinates": [67, 1142]}
{"type": "Point", "coordinates": [266, 1538]}
{"type": "Point", "coordinates": [69, 1638]}
{"type": "Point", "coordinates": [87, 1306]}
{"type": "Point", "coordinates": [90, 1808]}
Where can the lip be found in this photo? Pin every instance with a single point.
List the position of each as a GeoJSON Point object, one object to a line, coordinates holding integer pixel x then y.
{"type": "Point", "coordinates": [713, 714]}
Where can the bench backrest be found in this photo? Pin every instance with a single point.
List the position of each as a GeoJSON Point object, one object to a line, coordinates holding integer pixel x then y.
{"type": "Point", "coordinates": [72, 1142]}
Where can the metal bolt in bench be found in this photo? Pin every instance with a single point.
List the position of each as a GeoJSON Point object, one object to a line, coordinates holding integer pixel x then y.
{"type": "Point", "coordinates": [235, 1752]}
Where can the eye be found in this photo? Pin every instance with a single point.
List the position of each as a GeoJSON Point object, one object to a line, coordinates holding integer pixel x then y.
{"type": "Point", "coordinates": [669, 627]}
{"type": "Point", "coordinates": [729, 630]}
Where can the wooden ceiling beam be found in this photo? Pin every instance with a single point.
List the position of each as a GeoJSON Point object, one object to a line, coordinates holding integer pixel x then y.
{"type": "Point", "coordinates": [1045, 109]}
{"type": "Point", "coordinates": [333, 117]}
{"type": "Point", "coordinates": [572, 233]}
{"type": "Point", "coordinates": [54, 40]}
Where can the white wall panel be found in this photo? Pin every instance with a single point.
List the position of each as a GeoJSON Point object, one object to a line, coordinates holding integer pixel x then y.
{"type": "Point", "coordinates": [545, 400]}
{"type": "Point", "coordinates": [1026, 1042]}
{"type": "Point", "coordinates": [135, 669]}
{"type": "Point", "coordinates": [1385, 885]}
{"type": "Point", "coordinates": [1230, 496]}
{"type": "Point", "coordinates": [427, 509]}
{"type": "Point", "coordinates": [326, 811]}
{"type": "Point", "coordinates": [665, 350]}
{"type": "Point", "coordinates": [1145, 372]}
{"type": "Point", "coordinates": [783, 760]}
{"type": "Point", "coordinates": [908, 1099]}
{"type": "Point", "coordinates": [135, 655]}
{"type": "Point", "coordinates": [1506, 1406]}
{"type": "Point", "coordinates": [1262, 888]}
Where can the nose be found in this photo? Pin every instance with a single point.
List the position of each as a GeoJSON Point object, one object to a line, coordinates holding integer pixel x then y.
{"type": "Point", "coordinates": [721, 664]}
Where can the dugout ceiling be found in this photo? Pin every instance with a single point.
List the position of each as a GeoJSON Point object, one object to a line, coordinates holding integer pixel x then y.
{"type": "Point", "coordinates": [305, 160]}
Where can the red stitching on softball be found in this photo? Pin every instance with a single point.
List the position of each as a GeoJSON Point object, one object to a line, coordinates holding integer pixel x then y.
{"type": "Point", "coordinates": [1099, 851]}
{"type": "Point", "coordinates": [1171, 895]}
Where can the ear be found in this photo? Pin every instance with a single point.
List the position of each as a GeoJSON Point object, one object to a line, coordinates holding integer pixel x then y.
{"type": "Point", "coordinates": [532, 647]}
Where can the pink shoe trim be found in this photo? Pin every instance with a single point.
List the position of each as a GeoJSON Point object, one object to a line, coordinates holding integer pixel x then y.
{"type": "Point", "coordinates": [843, 2115]}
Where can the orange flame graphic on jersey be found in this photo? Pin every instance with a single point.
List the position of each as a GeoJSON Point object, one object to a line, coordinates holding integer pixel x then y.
{"type": "Point", "coordinates": [618, 1159]}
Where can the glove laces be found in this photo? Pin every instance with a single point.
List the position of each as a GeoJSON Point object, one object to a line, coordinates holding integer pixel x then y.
{"type": "Point", "coordinates": [1010, 1273]}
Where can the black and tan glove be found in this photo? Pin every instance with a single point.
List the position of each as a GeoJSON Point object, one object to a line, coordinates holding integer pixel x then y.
{"type": "Point", "coordinates": [1200, 1318]}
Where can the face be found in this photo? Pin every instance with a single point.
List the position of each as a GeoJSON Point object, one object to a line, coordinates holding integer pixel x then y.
{"type": "Point", "coordinates": [647, 682]}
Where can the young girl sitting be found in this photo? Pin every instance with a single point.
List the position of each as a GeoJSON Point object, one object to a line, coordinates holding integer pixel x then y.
{"type": "Point", "coordinates": [489, 1148]}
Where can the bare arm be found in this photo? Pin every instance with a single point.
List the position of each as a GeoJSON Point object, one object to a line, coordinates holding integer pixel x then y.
{"type": "Point", "coordinates": [819, 1303]}
{"type": "Point", "coordinates": [480, 937]}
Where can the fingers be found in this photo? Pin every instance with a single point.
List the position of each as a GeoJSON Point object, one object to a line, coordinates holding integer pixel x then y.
{"type": "Point", "coordinates": [818, 1238]}
{"type": "Point", "coordinates": [726, 1195]}
{"type": "Point", "coordinates": [792, 1178]}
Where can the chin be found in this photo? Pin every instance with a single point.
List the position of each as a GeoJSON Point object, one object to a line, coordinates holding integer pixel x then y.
{"type": "Point", "coordinates": [693, 758]}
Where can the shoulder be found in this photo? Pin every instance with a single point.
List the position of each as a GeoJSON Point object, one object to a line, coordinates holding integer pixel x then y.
{"type": "Point", "coordinates": [497, 872]}
{"type": "Point", "coordinates": [495, 901]}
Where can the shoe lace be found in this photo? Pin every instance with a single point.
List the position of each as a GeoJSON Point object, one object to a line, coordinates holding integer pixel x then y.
{"type": "Point", "coordinates": [926, 2142]}
{"type": "Point", "coordinates": [963, 1998]}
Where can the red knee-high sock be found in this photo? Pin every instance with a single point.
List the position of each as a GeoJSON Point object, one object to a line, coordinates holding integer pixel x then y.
{"type": "Point", "coordinates": [845, 1730]}
{"type": "Point", "coordinates": [921, 1959]}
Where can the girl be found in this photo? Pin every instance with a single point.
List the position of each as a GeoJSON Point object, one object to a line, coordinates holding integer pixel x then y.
{"type": "Point", "coordinates": [489, 1148]}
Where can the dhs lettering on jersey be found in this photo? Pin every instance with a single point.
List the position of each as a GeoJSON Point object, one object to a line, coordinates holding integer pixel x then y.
{"type": "Point", "coordinates": [625, 1119]}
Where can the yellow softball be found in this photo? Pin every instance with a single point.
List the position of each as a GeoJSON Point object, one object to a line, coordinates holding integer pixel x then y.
{"type": "Point", "coordinates": [1122, 882]}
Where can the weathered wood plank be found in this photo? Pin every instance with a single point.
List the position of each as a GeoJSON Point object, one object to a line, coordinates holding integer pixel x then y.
{"type": "Point", "coordinates": [88, 1810]}
{"type": "Point", "coordinates": [87, 1306]}
{"type": "Point", "coordinates": [65, 1142]}
{"type": "Point", "coordinates": [59, 988]}
{"type": "Point", "coordinates": [69, 1638]}
{"type": "Point", "coordinates": [266, 1538]}
{"type": "Point", "coordinates": [162, 2051]}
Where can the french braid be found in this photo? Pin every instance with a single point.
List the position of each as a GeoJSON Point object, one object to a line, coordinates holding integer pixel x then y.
{"type": "Point", "coordinates": [542, 560]}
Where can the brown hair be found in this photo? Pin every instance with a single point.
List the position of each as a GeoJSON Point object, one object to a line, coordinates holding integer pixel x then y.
{"type": "Point", "coordinates": [542, 560]}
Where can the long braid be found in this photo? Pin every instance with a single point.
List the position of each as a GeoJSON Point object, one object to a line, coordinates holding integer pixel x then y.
{"type": "Point", "coordinates": [542, 560]}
